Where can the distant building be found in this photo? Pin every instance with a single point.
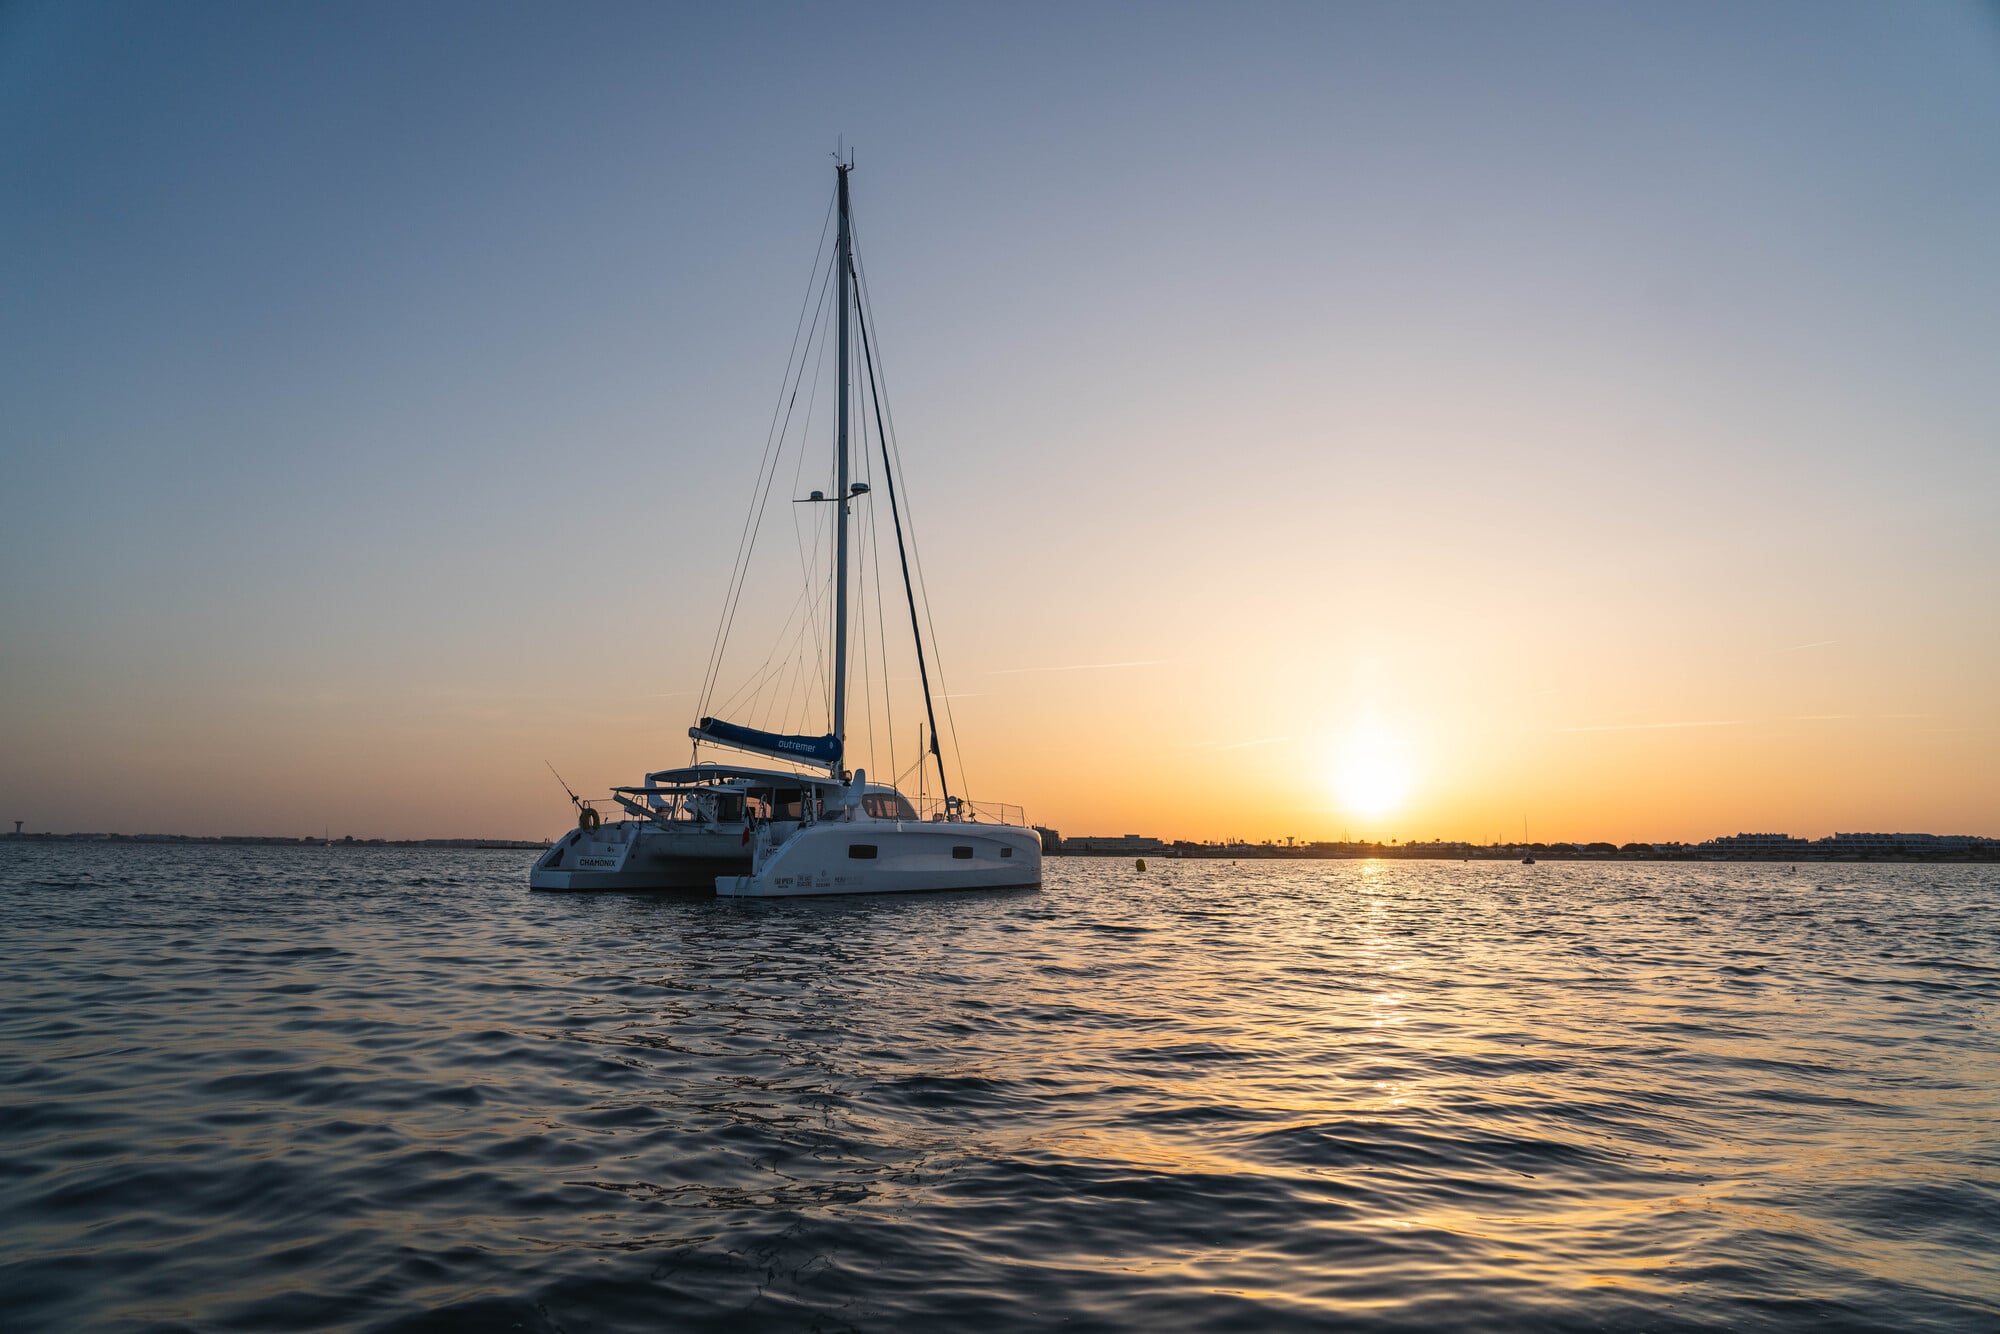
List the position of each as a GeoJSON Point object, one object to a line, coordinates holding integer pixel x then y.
{"type": "Point", "coordinates": [1851, 845]}
{"type": "Point", "coordinates": [1876, 845]}
{"type": "Point", "coordinates": [1121, 843]}
{"type": "Point", "coordinates": [1759, 844]}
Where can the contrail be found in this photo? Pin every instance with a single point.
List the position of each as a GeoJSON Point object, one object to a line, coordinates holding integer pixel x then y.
{"type": "Point", "coordinates": [1648, 727]}
{"type": "Point", "coordinates": [1817, 643]}
{"type": "Point", "coordinates": [1078, 667]}
{"type": "Point", "coordinates": [1240, 745]}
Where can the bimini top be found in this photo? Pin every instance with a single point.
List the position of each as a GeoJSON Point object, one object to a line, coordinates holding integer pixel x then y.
{"type": "Point", "coordinates": [730, 773]}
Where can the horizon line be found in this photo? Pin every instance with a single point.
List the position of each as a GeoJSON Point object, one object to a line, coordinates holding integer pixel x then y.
{"type": "Point", "coordinates": [308, 840]}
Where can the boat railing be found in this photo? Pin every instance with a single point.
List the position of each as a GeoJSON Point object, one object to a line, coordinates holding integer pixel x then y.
{"type": "Point", "coordinates": [940, 810]}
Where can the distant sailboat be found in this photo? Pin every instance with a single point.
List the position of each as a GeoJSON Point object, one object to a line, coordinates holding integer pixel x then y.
{"type": "Point", "coordinates": [1528, 860]}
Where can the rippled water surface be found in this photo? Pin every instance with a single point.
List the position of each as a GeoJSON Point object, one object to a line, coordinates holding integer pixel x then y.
{"type": "Point", "coordinates": [381, 1089]}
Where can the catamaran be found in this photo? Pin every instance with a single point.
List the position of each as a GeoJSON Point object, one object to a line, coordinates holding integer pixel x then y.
{"type": "Point", "coordinates": [818, 827]}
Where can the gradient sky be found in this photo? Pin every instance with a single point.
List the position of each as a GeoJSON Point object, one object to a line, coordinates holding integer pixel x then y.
{"type": "Point", "coordinates": [1598, 405]}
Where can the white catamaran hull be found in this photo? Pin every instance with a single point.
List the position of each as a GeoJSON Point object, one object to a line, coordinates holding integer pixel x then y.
{"type": "Point", "coordinates": [892, 857]}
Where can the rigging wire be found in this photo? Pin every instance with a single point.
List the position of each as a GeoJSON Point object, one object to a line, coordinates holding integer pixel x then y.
{"type": "Point", "coordinates": [757, 679]}
{"type": "Point", "coordinates": [877, 380]}
{"type": "Point", "coordinates": [867, 662]}
{"type": "Point", "coordinates": [790, 673]}
{"type": "Point", "coordinates": [773, 447]}
{"type": "Point", "coordinates": [749, 693]}
{"type": "Point", "coordinates": [797, 695]}
{"type": "Point", "coordinates": [858, 642]}
{"type": "Point", "coordinates": [809, 564]}
{"type": "Point", "coordinates": [874, 540]}
{"type": "Point", "coordinates": [860, 636]}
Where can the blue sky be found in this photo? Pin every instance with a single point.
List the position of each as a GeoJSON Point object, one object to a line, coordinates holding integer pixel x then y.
{"type": "Point", "coordinates": [358, 358]}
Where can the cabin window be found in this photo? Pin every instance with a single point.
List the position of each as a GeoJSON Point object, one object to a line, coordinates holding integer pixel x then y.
{"type": "Point", "coordinates": [1006, 852]}
{"type": "Point", "coordinates": [861, 851]}
{"type": "Point", "coordinates": [888, 806]}
{"type": "Point", "coordinates": [962, 853]}
{"type": "Point", "coordinates": [729, 808]}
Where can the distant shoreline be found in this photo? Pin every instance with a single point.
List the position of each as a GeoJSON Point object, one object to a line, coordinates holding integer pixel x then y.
{"type": "Point", "coordinates": [1183, 852]}
{"type": "Point", "coordinates": [1420, 854]}
{"type": "Point", "coordinates": [270, 841]}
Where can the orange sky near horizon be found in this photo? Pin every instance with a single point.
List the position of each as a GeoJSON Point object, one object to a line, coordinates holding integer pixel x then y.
{"type": "Point", "coordinates": [1218, 738]}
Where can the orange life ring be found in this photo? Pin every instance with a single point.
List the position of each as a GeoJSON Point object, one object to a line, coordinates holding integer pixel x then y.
{"type": "Point", "coordinates": [587, 818]}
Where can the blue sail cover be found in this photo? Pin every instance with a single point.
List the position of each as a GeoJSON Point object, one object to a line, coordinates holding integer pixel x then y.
{"type": "Point", "coordinates": [810, 749]}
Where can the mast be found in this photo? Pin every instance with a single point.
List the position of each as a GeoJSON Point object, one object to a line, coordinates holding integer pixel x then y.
{"type": "Point", "coordinates": [844, 262]}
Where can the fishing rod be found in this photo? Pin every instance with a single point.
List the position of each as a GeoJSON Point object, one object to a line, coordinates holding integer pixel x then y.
{"type": "Point", "coordinates": [575, 800]}
{"type": "Point", "coordinates": [587, 817]}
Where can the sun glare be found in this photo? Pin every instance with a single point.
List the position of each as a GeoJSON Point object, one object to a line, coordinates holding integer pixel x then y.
{"type": "Point", "coordinates": [1372, 770]}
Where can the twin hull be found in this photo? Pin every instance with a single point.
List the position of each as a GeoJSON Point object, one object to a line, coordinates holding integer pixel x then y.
{"type": "Point", "coordinates": [833, 857]}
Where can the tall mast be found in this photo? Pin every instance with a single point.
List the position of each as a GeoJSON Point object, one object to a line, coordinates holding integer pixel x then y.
{"type": "Point", "coordinates": [844, 262]}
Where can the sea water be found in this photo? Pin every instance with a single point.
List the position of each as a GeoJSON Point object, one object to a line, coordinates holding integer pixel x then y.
{"type": "Point", "coordinates": [356, 1088]}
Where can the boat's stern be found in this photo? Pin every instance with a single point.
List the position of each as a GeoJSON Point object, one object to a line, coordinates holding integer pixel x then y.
{"type": "Point", "coordinates": [639, 855]}
{"type": "Point", "coordinates": [598, 858]}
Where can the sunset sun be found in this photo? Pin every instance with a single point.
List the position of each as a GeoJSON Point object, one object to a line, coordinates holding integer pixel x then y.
{"type": "Point", "coordinates": [1371, 771]}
